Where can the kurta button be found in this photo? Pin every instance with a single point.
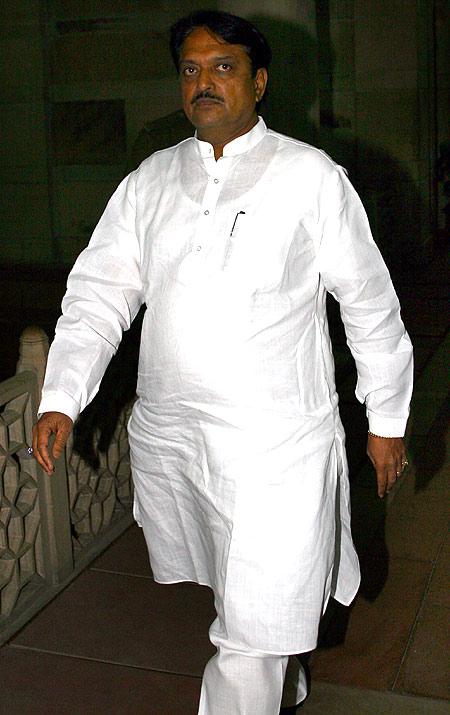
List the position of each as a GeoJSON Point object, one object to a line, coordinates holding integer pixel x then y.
{"type": "Point", "coordinates": [216, 181]}
{"type": "Point", "coordinates": [206, 212]}
{"type": "Point", "coordinates": [198, 248]}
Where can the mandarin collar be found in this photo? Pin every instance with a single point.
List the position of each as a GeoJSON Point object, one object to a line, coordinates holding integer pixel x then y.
{"type": "Point", "coordinates": [240, 145]}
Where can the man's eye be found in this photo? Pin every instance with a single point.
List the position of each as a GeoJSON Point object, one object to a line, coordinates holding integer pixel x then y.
{"type": "Point", "coordinates": [224, 67]}
{"type": "Point", "coordinates": [188, 71]}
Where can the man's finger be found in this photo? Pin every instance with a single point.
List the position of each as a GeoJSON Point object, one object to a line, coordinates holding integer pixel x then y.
{"type": "Point", "coordinates": [391, 479]}
{"type": "Point", "coordinates": [60, 442]}
{"type": "Point", "coordinates": [381, 482]}
{"type": "Point", "coordinates": [40, 441]}
{"type": "Point", "coordinates": [42, 451]}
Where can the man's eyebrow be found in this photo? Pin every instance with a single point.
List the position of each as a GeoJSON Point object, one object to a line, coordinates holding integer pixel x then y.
{"type": "Point", "coordinates": [223, 58]}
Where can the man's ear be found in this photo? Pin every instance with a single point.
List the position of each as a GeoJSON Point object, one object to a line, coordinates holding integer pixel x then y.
{"type": "Point", "coordinates": [260, 83]}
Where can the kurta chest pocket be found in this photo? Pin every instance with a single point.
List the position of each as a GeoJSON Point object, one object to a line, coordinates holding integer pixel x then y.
{"type": "Point", "coordinates": [257, 249]}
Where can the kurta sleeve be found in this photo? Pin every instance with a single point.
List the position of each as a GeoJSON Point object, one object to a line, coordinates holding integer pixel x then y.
{"type": "Point", "coordinates": [354, 272]}
{"type": "Point", "coordinates": [104, 293]}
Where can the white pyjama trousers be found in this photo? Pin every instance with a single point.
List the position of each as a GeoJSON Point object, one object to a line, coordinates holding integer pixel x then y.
{"type": "Point", "coordinates": [249, 682]}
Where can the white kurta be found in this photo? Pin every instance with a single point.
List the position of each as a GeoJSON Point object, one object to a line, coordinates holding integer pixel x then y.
{"type": "Point", "coordinates": [236, 443]}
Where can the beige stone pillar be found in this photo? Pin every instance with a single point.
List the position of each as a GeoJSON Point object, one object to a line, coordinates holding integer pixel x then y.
{"type": "Point", "coordinates": [33, 353]}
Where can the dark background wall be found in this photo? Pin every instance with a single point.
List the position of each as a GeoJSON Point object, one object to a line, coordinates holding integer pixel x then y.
{"type": "Point", "coordinates": [87, 84]}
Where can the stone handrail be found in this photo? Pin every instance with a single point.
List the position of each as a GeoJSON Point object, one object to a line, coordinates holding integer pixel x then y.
{"type": "Point", "coordinates": [33, 352]}
{"type": "Point", "coordinates": [50, 527]}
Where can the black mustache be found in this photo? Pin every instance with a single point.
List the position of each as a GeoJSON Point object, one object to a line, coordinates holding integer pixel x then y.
{"type": "Point", "coordinates": [206, 95]}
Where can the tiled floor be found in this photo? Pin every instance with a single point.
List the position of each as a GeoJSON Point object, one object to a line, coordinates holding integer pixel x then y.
{"type": "Point", "coordinates": [114, 642]}
{"type": "Point", "coordinates": [37, 683]}
{"type": "Point", "coordinates": [400, 641]}
{"type": "Point", "coordinates": [128, 620]}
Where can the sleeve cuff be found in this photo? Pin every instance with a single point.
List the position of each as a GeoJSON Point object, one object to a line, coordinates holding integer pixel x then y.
{"type": "Point", "coordinates": [386, 426]}
{"type": "Point", "coordinates": [59, 402]}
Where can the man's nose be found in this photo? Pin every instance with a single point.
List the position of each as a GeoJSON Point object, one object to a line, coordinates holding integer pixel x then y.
{"type": "Point", "coordinates": [204, 79]}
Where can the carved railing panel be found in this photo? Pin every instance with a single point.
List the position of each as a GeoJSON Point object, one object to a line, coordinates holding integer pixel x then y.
{"type": "Point", "coordinates": [98, 497]}
{"type": "Point", "coordinates": [21, 551]}
{"type": "Point", "coordinates": [51, 526]}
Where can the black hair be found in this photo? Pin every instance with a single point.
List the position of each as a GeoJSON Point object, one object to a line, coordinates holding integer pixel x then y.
{"type": "Point", "coordinates": [234, 30]}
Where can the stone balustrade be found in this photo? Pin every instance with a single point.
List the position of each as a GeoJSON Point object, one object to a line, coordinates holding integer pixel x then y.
{"type": "Point", "coordinates": [51, 527]}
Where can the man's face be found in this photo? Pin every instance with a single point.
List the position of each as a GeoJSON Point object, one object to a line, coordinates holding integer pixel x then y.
{"type": "Point", "coordinates": [218, 91]}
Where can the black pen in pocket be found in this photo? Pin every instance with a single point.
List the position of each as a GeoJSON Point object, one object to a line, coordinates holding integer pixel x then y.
{"type": "Point", "coordinates": [235, 221]}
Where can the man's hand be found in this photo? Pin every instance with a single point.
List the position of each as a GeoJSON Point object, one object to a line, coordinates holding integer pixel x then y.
{"type": "Point", "coordinates": [50, 423]}
{"type": "Point", "coordinates": [388, 456]}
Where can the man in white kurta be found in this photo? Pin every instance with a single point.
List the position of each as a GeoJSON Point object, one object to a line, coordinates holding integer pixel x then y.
{"type": "Point", "coordinates": [236, 442]}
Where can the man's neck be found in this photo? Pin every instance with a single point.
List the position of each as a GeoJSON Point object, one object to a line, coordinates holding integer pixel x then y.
{"type": "Point", "coordinates": [217, 140]}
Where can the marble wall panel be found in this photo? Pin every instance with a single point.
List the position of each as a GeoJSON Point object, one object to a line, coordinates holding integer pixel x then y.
{"type": "Point", "coordinates": [342, 9]}
{"type": "Point", "coordinates": [387, 119]}
{"type": "Point", "coordinates": [113, 8]}
{"type": "Point", "coordinates": [21, 69]}
{"type": "Point", "coordinates": [141, 111]}
{"type": "Point", "coordinates": [383, 48]}
{"type": "Point", "coordinates": [95, 8]}
{"type": "Point", "coordinates": [400, 9]}
{"type": "Point", "coordinates": [79, 205]}
{"type": "Point", "coordinates": [342, 35]}
{"type": "Point", "coordinates": [344, 105]}
{"type": "Point", "coordinates": [92, 132]}
{"type": "Point", "coordinates": [22, 127]}
{"type": "Point", "coordinates": [25, 221]}
{"type": "Point", "coordinates": [89, 56]}
{"type": "Point", "coordinates": [283, 9]}
{"type": "Point", "coordinates": [25, 12]}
